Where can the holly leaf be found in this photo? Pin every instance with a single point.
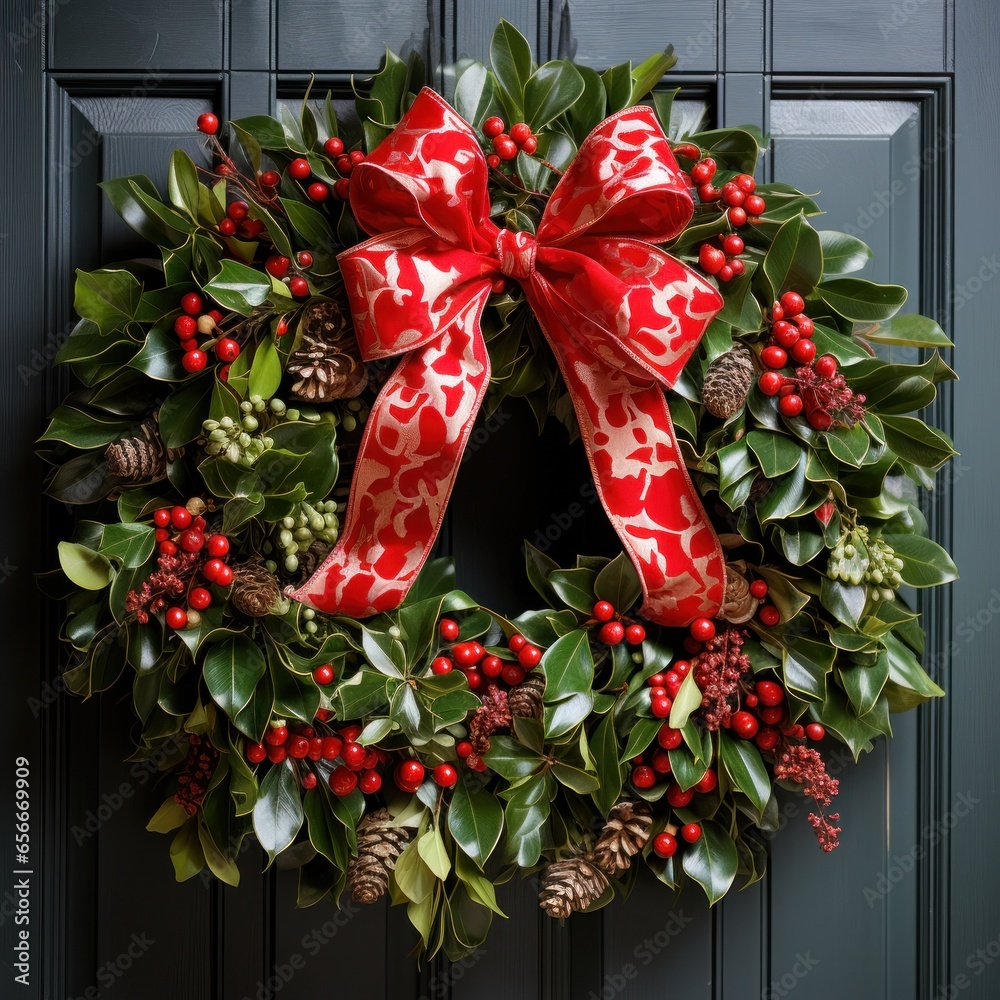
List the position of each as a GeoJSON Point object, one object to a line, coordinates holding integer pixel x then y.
{"type": "Point", "coordinates": [277, 815]}
{"type": "Point", "coordinates": [712, 860]}
{"type": "Point", "coordinates": [746, 769]}
{"type": "Point", "coordinates": [238, 287]}
{"type": "Point", "coordinates": [475, 819]}
{"type": "Point", "coordinates": [232, 669]}
{"type": "Point", "coordinates": [794, 261]}
{"type": "Point", "coordinates": [510, 759]}
{"type": "Point", "coordinates": [568, 667]}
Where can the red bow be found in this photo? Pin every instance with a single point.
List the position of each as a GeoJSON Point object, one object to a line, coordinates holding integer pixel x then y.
{"type": "Point", "coordinates": [621, 317]}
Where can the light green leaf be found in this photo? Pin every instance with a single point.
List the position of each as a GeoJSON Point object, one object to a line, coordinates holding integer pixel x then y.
{"type": "Point", "coordinates": [83, 566]}
{"type": "Point", "coordinates": [430, 847]}
{"type": "Point", "coordinates": [238, 287]}
{"type": "Point", "coordinates": [925, 563]}
{"type": "Point", "coordinates": [265, 372]}
{"type": "Point", "coordinates": [182, 183]}
{"type": "Point", "coordinates": [687, 701]}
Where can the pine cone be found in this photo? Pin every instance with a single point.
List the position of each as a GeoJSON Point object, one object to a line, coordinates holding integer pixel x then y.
{"type": "Point", "coordinates": [727, 382]}
{"type": "Point", "coordinates": [327, 363]}
{"type": "Point", "coordinates": [571, 885]}
{"type": "Point", "coordinates": [624, 835]}
{"type": "Point", "coordinates": [379, 847]}
{"type": "Point", "coordinates": [525, 700]}
{"type": "Point", "coordinates": [255, 592]}
{"type": "Point", "coordinates": [140, 457]}
{"type": "Point", "coordinates": [738, 605]}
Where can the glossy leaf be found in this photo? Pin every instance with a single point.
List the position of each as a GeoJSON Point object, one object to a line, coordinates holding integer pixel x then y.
{"type": "Point", "coordinates": [925, 563]}
{"type": "Point", "coordinates": [745, 768]}
{"type": "Point", "coordinates": [794, 261]}
{"type": "Point", "coordinates": [712, 860]}
{"type": "Point", "coordinates": [475, 820]}
{"type": "Point", "coordinates": [232, 669]}
{"type": "Point", "coordinates": [843, 254]}
{"type": "Point", "coordinates": [238, 287]}
{"type": "Point", "coordinates": [86, 568]}
{"type": "Point", "coordinates": [277, 816]}
{"type": "Point", "coordinates": [550, 91]}
{"type": "Point", "coordinates": [860, 300]}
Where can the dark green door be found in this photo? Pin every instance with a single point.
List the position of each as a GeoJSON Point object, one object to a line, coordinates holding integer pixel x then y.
{"type": "Point", "coordinates": [886, 106]}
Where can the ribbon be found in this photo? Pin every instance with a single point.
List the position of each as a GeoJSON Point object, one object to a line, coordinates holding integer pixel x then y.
{"type": "Point", "coordinates": [621, 316]}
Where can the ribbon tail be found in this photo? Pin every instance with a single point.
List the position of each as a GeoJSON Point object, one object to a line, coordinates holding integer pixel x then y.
{"type": "Point", "coordinates": [643, 483]}
{"type": "Point", "coordinates": [406, 467]}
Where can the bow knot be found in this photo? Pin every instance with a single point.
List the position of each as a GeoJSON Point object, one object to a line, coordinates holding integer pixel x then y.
{"type": "Point", "coordinates": [621, 317]}
{"type": "Point", "coordinates": [517, 254]}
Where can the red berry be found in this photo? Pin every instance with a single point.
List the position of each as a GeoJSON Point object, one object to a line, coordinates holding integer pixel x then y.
{"type": "Point", "coordinates": [323, 715]}
{"type": "Point", "coordinates": [475, 679]}
{"type": "Point", "coordinates": [237, 210]}
{"type": "Point", "coordinates": [512, 674]}
{"type": "Point", "coordinates": [635, 635]}
{"type": "Point", "coordinates": [516, 642]}
{"type": "Point", "coordinates": [703, 171]}
{"type": "Point", "coordinates": [210, 570]}
{"type": "Point", "coordinates": [308, 780]}
{"type": "Point", "coordinates": [737, 216]}
{"type": "Point", "coordinates": [708, 193]}
{"type": "Point", "coordinates": [682, 668]}
{"type": "Point", "coordinates": [208, 123]}
{"type": "Point", "coordinates": [370, 783]}
{"type": "Point", "coordinates": [217, 545]}
{"type": "Point", "coordinates": [343, 781]}
{"type": "Point", "coordinates": [276, 736]}
{"type": "Point", "coordinates": [687, 150]}
{"type": "Point", "coordinates": [661, 762]}
{"type": "Point", "coordinates": [305, 258]}
{"type": "Point", "coordinates": [529, 146]}
{"type": "Point", "coordinates": [603, 611]}
{"type": "Point", "coordinates": [826, 366]}
{"type": "Point", "coordinates": [665, 845]}
{"type": "Point", "coordinates": [467, 654]}
{"type": "Point", "coordinates": [792, 303]}
{"type": "Point", "coordinates": [185, 326]}
{"type": "Point", "coordinates": [342, 189]}
{"type": "Point", "coordinates": [702, 629]}
{"type": "Point", "coordinates": [770, 382]}
{"type": "Point", "coordinates": [353, 754]}
{"type": "Point", "coordinates": [711, 259]}
{"type": "Point", "coordinates": [785, 334]}
{"type": "Point", "coordinates": [442, 665]}
{"type": "Point", "coordinates": [643, 776]}
{"type": "Point", "coordinates": [356, 156]}
{"type": "Point", "coordinates": [227, 349]}
{"type": "Point", "coordinates": [224, 576]}
{"type": "Point", "coordinates": [215, 315]}
{"type": "Point", "coordinates": [673, 683]}
{"type": "Point", "coordinates": [796, 732]}
{"type": "Point", "coordinates": [227, 227]}
{"type": "Point", "coordinates": [161, 517]}
{"type": "Point", "coordinates": [190, 345]}
{"type": "Point", "coordinates": [161, 534]}
{"type": "Point", "coordinates": [505, 147]}
{"type": "Point", "coordinates": [744, 725]}
{"type": "Point", "coordinates": [759, 589]}
{"type": "Point", "coordinates": [332, 746]}
{"type": "Point", "coordinates": [611, 633]}
{"type": "Point", "coordinates": [493, 126]}
{"type": "Point", "coordinates": [657, 681]}
{"type": "Point", "coordinates": [679, 797]}
{"type": "Point", "coordinates": [255, 752]}
{"type": "Point", "coordinates": [192, 540]}
{"type": "Point", "coordinates": [745, 183]}
{"type": "Point", "coordinates": [463, 748]}
{"type": "Point", "coordinates": [344, 165]}
{"type": "Point", "coordinates": [733, 245]}
{"type": "Point", "coordinates": [519, 132]}
{"type": "Point", "coordinates": [669, 739]}
{"type": "Point", "coordinates": [530, 656]}
{"type": "Point", "coordinates": [790, 406]}
{"type": "Point", "coordinates": [409, 773]}
{"type": "Point", "coordinates": [806, 326]}
{"type": "Point", "coordinates": [754, 205]}
{"type": "Point", "coordinates": [299, 168]}
{"type": "Point", "coordinates": [449, 629]}
{"type": "Point", "coordinates": [315, 748]}
{"type": "Point", "coordinates": [180, 518]}
{"type": "Point", "coordinates": [299, 287]}
{"type": "Point", "coordinates": [767, 738]}
{"type": "Point", "coordinates": [820, 419]}
{"type": "Point", "coordinates": [660, 705]}
{"type": "Point", "coordinates": [772, 716]}
{"type": "Point", "coordinates": [277, 265]}
{"type": "Point", "coordinates": [191, 303]}
{"type": "Point", "coordinates": [445, 775]}
{"type": "Point", "coordinates": [691, 832]}
{"type": "Point", "coordinates": [769, 615]}
{"type": "Point", "coordinates": [333, 146]}
{"type": "Point", "coordinates": [194, 361]}
{"type": "Point", "coordinates": [277, 754]}
{"type": "Point", "coordinates": [167, 548]}
{"type": "Point", "coordinates": [298, 747]}
{"type": "Point", "coordinates": [815, 731]}
{"type": "Point", "coordinates": [176, 618]}
{"type": "Point", "coordinates": [318, 191]}
{"type": "Point", "coordinates": [270, 179]}
{"type": "Point", "coordinates": [726, 273]}
{"type": "Point", "coordinates": [774, 357]}
{"type": "Point", "coordinates": [732, 195]}
{"type": "Point", "coordinates": [737, 266]}
{"type": "Point", "coordinates": [804, 351]}
{"type": "Point", "coordinates": [492, 666]}
{"type": "Point", "coordinates": [493, 161]}
{"type": "Point", "coordinates": [323, 674]}
{"type": "Point", "coordinates": [707, 782]}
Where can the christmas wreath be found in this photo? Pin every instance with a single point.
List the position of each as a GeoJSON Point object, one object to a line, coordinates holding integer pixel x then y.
{"type": "Point", "coordinates": [269, 418]}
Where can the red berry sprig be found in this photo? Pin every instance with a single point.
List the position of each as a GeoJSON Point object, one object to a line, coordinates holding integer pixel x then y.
{"type": "Point", "coordinates": [736, 197]}
{"type": "Point", "coordinates": [506, 145]}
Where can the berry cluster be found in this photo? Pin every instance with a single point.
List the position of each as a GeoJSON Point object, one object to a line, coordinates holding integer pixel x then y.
{"type": "Point", "coordinates": [194, 322]}
{"type": "Point", "coordinates": [344, 162]}
{"type": "Point", "coordinates": [725, 263]}
{"type": "Point", "coordinates": [278, 266]}
{"type": "Point", "coordinates": [195, 774]}
{"type": "Point", "coordinates": [736, 197]}
{"type": "Point", "coordinates": [506, 145]}
{"type": "Point", "coordinates": [479, 665]}
{"type": "Point", "coordinates": [613, 629]}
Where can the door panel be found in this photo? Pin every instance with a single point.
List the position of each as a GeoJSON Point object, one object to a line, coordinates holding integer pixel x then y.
{"type": "Point", "coordinates": [125, 83]}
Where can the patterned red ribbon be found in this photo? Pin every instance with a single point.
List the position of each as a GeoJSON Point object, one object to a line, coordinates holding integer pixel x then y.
{"type": "Point", "coordinates": [621, 316]}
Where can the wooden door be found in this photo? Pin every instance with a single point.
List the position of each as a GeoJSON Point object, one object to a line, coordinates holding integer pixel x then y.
{"type": "Point", "coordinates": [886, 107]}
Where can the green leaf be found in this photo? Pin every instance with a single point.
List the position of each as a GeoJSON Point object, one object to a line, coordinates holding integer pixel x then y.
{"type": "Point", "coordinates": [641, 734]}
{"type": "Point", "coordinates": [160, 356]}
{"type": "Point", "coordinates": [277, 815]}
{"type": "Point", "coordinates": [83, 429]}
{"type": "Point", "coordinates": [475, 819]}
{"type": "Point", "coordinates": [510, 759]}
{"type": "Point", "coordinates": [265, 372]}
{"type": "Point", "coordinates": [746, 769]}
{"type": "Point", "coordinates": [911, 684]}
{"type": "Point", "coordinates": [794, 261]}
{"type": "Point", "coordinates": [649, 72]}
{"type": "Point", "coordinates": [913, 441]}
{"type": "Point", "coordinates": [568, 667]}
{"type": "Point", "coordinates": [131, 198]}
{"type": "Point", "coordinates": [325, 833]}
{"type": "Point", "coordinates": [777, 453]}
{"type": "Point", "coordinates": [712, 860]}
{"type": "Point", "coordinates": [925, 563]}
{"type": "Point", "coordinates": [360, 694]}
{"type": "Point", "coordinates": [864, 684]}
{"type": "Point", "coordinates": [302, 453]}
{"type": "Point", "coordinates": [109, 298]}
{"type": "Point", "coordinates": [232, 669]}
{"type": "Point", "coordinates": [527, 816]}
{"type": "Point", "coordinates": [738, 147]}
{"type": "Point", "coordinates": [848, 444]}
{"type": "Point", "coordinates": [430, 847]}
{"type": "Point", "coordinates": [238, 287]}
{"type": "Point", "coordinates": [805, 664]}
{"type": "Point", "coordinates": [575, 588]}
{"type": "Point", "coordinates": [475, 94]}
{"type": "Point", "coordinates": [167, 818]}
{"type": "Point", "coordinates": [84, 567]}
{"type": "Point", "coordinates": [910, 330]}
{"type": "Point", "coordinates": [185, 852]}
{"type": "Point", "coordinates": [687, 701]}
{"type": "Point", "coordinates": [604, 746]}
{"type": "Point", "coordinates": [550, 91]}
{"type": "Point", "coordinates": [842, 254]}
{"type": "Point", "coordinates": [510, 55]}
{"type": "Point", "coordinates": [857, 299]}
{"type": "Point", "coordinates": [182, 183]}
{"type": "Point", "coordinates": [617, 82]}
{"type": "Point", "coordinates": [787, 495]}
{"type": "Point", "coordinates": [183, 412]}
{"type": "Point", "coordinates": [133, 544]}
{"type": "Point", "coordinates": [618, 583]}
{"type": "Point", "coordinates": [309, 223]}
